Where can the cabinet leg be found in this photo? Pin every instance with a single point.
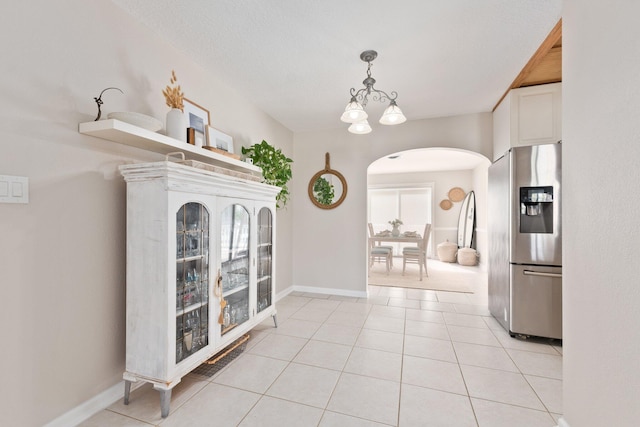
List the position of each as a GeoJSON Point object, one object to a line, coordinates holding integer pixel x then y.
{"type": "Point", "coordinates": [275, 320]}
{"type": "Point", "coordinates": [127, 391]}
{"type": "Point", "coordinates": [165, 399]}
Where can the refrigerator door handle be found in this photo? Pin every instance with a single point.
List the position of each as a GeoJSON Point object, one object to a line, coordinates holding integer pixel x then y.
{"type": "Point", "coordinates": [538, 273]}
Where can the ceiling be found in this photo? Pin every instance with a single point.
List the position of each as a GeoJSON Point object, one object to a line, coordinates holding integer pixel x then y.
{"type": "Point", "coordinates": [297, 59]}
{"type": "Point", "coordinates": [427, 160]}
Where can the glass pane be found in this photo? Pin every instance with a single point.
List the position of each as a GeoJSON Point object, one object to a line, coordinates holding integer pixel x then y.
{"type": "Point", "coordinates": [265, 255]}
{"type": "Point", "coordinates": [411, 205]}
{"type": "Point", "coordinates": [415, 209]}
{"type": "Point", "coordinates": [234, 255]}
{"type": "Point", "coordinates": [192, 280]}
{"type": "Point", "coordinates": [383, 207]}
{"type": "Point", "coordinates": [237, 309]}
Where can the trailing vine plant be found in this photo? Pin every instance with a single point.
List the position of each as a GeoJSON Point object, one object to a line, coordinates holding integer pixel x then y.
{"type": "Point", "coordinates": [323, 191]}
{"type": "Point", "coordinates": [276, 168]}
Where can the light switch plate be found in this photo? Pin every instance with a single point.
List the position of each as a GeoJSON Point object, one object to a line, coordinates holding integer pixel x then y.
{"type": "Point", "coordinates": [14, 189]}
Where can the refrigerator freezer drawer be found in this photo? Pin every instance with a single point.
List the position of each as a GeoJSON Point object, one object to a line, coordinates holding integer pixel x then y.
{"type": "Point", "coordinates": [536, 301]}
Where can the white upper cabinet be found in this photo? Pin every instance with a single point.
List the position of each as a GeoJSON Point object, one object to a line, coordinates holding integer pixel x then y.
{"type": "Point", "coordinates": [528, 116]}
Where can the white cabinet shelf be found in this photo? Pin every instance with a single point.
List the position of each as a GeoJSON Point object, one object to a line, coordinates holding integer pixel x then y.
{"type": "Point", "coordinates": [235, 290]}
{"type": "Point", "coordinates": [128, 134]}
{"type": "Point", "coordinates": [192, 307]}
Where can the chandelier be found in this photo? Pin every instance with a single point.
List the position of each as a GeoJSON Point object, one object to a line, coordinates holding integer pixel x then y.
{"type": "Point", "coordinates": [354, 112]}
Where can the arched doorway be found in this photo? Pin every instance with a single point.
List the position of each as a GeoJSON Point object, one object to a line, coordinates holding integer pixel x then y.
{"type": "Point", "coordinates": [413, 183]}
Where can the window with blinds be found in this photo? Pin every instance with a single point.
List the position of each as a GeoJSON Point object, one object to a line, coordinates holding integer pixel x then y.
{"type": "Point", "coordinates": [412, 205]}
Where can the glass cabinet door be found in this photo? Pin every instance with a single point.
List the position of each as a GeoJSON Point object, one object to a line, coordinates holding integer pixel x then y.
{"type": "Point", "coordinates": [234, 258]}
{"type": "Point", "coordinates": [192, 279]}
{"type": "Point", "coordinates": [265, 256]}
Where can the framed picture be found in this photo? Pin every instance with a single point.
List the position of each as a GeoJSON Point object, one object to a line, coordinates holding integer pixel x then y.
{"type": "Point", "coordinates": [197, 117]}
{"type": "Point", "coordinates": [219, 140]}
{"type": "Point", "coordinates": [195, 138]}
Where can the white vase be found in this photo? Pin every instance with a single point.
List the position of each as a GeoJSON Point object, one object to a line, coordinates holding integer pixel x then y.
{"type": "Point", "coordinates": [395, 232]}
{"type": "Point", "coordinates": [176, 125]}
{"type": "Point", "coordinates": [188, 337]}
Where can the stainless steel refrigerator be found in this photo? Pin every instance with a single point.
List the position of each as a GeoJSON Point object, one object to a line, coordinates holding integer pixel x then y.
{"type": "Point", "coordinates": [525, 241]}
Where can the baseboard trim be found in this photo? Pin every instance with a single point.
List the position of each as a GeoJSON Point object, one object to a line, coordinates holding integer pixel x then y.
{"type": "Point", "coordinates": [284, 293]}
{"type": "Point", "coordinates": [105, 399]}
{"type": "Point", "coordinates": [330, 291]}
{"type": "Point", "coordinates": [91, 407]}
{"type": "Point", "coordinates": [562, 422]}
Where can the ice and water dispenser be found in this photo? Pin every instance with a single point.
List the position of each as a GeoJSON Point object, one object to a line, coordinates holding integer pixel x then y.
{"type": "Point", "coordinates": [536, 209]}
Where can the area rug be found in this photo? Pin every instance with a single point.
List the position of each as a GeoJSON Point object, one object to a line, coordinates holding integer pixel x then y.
{"type": "Point", "coordinates": [442, 276]}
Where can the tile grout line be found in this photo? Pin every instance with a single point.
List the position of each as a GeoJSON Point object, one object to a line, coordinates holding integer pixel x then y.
{"type": "Point", "coordinates": [464, 380]}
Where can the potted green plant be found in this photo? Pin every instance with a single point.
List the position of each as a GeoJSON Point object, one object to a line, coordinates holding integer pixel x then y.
{"type": "Point", "coordinates": [276, 167]}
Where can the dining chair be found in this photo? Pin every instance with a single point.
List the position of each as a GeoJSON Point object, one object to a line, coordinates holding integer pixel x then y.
{"type": "Point", "coordinates": [379, 253]}
{"type": "Point", "coordinates": [378, 245]}
{"type": "Point", "coordinates": [417, 254]}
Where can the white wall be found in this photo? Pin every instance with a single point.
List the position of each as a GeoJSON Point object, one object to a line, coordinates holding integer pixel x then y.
{"type": "Point", "coordinates": [62, 256]}
{"type": "Point", "coordinates": [601, 178]}
{"type": "Point", "coordinates": [330, 245]}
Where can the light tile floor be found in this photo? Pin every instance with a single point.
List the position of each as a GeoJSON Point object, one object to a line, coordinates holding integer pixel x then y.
{"type": "Point", "coordinates": [380, 361]}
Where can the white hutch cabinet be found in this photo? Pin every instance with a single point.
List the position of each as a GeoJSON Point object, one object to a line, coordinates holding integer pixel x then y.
{"type": "Point", "coordinates": [200, 268]}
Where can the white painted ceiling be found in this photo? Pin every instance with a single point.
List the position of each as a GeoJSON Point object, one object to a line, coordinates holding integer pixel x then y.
{"type": "Point", "coordinates": [427, 159]}
{"type": "Point", "coordinates": [297, 59]}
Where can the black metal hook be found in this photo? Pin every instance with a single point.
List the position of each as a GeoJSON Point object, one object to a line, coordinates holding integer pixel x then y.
{"type": "Point", "coordinates": [99, 101]}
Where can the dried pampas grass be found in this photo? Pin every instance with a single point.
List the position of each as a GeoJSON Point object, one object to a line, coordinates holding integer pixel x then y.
{"type": "Point", "coordinates": [173, 95]}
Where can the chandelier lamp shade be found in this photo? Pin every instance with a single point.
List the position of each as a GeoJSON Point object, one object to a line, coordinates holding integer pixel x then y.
{"type": "Point", "coordinates": [354, 112]}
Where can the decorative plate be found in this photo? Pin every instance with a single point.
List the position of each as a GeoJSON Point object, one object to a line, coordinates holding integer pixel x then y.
{"type": "Point", "coordinates": [137, 119]}
{"type": "Point", "coordinates": [456, 194]}
{"type": "Point", "coordinates": [446, 204]}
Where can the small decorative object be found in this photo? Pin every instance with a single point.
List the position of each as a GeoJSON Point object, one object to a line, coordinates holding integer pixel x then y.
{"type": "Point", "coordinates": [467, 256]}
{"type": "Point", "coordinates": [446, 204]}
{"type": "Point", "coordinates": [327, 188]}
{"type": "Point", "coordinates": [99, 101]}
{"type": "Point", "coordinates": [174, 95]}
{"type": "Point", "coordinates": [396, 223]}
{"type": "Point", "coordinates": [226, 322]}
{"type": "Point", "coordinates": [223, 305]}
{"type": "Point", "coordinates": [137, 119]}
{"type": "Point", "coordinates": [188, 339]}
{"type": "Point", "coordinates": [197, 118]}
{"type": "Point", "coordinates": [176, 123]}
{"type": "Point", "coordinates": [195, 138]}
{"type": "Point", "coordinates": [224, 153]}
{"type": "Point", "coordinates": [447, 251]}
{"type": "Point", "coordinates": [219, 140]}
{"type": "Point", "coordinates": [456, 194]}
{"type": "Point", "coordinates": [276, 168]}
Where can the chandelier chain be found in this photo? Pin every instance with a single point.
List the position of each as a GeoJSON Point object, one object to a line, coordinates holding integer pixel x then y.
{"type": "Point", "coordinates": [362, 95]}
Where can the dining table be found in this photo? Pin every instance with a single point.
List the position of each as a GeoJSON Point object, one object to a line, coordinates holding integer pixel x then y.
{"type": "Point", "coordinates": [378, 238]}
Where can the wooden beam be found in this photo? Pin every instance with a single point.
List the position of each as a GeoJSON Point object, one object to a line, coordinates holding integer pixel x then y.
{"type": "Point", "coordinates": [549, 70]}
{"type": "Point", "coordinates": [552, 39]}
